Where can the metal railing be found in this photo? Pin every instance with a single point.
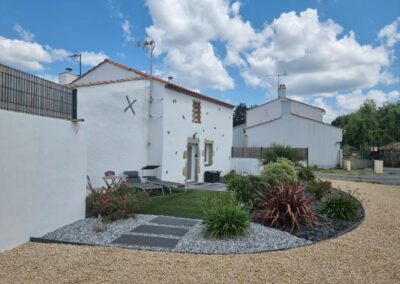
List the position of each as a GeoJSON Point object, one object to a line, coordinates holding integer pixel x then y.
{"type": "Point", "coordinates": [22, 92]}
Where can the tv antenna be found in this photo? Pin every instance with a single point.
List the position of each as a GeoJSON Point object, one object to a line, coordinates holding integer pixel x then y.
{"type": "Point", "coordinates": [150, 45]}
{"type": "Point", "coordinates": [277, 75]}
{"type": "Point", "coordinates": [75, 56]}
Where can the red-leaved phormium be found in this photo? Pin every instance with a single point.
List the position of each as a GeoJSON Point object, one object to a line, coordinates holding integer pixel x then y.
{"type": "Point", "coordinates": [285, 207]}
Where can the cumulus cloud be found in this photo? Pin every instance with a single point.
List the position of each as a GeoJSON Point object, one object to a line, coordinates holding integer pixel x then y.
{"type": "Point", "coordinates": [390, 34]}
{"type": "Point", "coordinates": [127, 30]}
{"type": "Point", "coordinates": [33, 56]}
{"type": "Point", "coordinates": [25, 35]}
{"type": "Point", "coordinates": [186, 34]}
{"type": "Point", "coordinates": [317, 55]}
{"type": "Point", "coordinates": [352, 101]}
{"type": "Point", "coordinates": [23, 54]}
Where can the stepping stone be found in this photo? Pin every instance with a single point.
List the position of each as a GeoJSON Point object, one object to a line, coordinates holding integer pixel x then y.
{"type": "Point", "coordinates": [160, 230]}
{"type": "Point", "coordinates": [147, 241]}
{"type": "Point", "coordinates": [174, 221]}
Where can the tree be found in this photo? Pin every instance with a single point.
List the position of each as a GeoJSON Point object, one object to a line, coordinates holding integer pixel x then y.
{"type": "Point", "coordinates": [370, 125]}
{"type": "Point", "coordinates": [239, 114]}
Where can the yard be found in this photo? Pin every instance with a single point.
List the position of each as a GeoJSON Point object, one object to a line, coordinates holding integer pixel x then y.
{"type": "Point", "coordinates": [180, 204]}
{"type": "Point", "coordinates": [342, 260]}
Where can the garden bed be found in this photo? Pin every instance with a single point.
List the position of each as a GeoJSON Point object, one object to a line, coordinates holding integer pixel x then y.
{"type": "Point", "coordinates": [259, 238]}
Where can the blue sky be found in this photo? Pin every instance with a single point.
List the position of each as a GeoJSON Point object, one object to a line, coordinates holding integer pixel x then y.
{"type": "Point", "coordinates": [336, 53]}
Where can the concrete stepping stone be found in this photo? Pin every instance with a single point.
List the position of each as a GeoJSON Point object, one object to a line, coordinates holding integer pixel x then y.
{"type": "Point", "coordinates": [147, 241]}
{"type": "Point", "coordinates": [160, 230]}
{"type": "Point", "coordinates": [174, 221]}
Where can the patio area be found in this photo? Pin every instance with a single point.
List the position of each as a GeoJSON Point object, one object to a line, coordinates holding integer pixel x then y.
{"type": "Point", "coordinates": [369, 254]}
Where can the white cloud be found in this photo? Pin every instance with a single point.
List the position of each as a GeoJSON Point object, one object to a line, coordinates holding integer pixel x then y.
{"type": "Point", "coordinates": [127, 30]}
{"type": "Point", "coordinates": [390, 34]}
{"type": "Point", "coordinates": [50, 77]}
{"type": "Point", "coordinates": [187, 33]}
{"type": "Point", "coordinates": [316, 58]}
{"type": "Point", "coordinates": [92, 58]}
{"type": "Point", "coordinates": [23, 34]}
{"type": "Point", "coordinates": [352, 101]}
{"type": "Point", "coordinates": [33, 56]}
{"type": "Point", "coordinates": [22, 54]}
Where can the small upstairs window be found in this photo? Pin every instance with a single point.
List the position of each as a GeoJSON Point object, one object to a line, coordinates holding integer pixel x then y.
{"type": "Point", "coordinates": [196, 116]}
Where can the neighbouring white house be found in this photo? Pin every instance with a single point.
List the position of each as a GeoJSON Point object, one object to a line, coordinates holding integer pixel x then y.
{"type": "Point", "coordinates": [133, 120]}
{"type": "Point", "coordinates": [289, 122]}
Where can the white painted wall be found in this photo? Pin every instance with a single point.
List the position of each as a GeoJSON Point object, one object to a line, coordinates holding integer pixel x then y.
{"type": "Point", "coordinates": [239, 137]}
{"type": "Point", "coordinates": [120, 141]}
{"type": "Point", "coordinates": [263, 113]}
{"type": "Point", "coordinates": [42, 176]}
{"type": "Point", "coordinates": [117, 140]}
{"type": "Point", "coordinates": [322, 140]}
{"type": "Point", "coordinates": [247, 166]}
{"type": "Point", "coordinates": [216, 125]}
{"type": "Point", "coordinates": [306, 110]}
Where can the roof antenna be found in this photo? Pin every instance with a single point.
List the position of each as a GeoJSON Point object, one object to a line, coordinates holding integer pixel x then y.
{"type": "Point", "coordinates": [277, 75]}
{"type": "Point", "coordinates": [75, 56]}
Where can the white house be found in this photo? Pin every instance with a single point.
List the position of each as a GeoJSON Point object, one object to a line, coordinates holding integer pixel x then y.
{"type": "Point", "coordinates": [289, 122]}
{"type": "Point", "coordinates": [133, 120]}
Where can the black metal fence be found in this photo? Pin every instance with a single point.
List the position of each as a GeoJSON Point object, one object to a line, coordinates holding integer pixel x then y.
{"type": "Point", "coordinates": [257, 152]}
{"type": "Point", "coordinates": [22, 92]}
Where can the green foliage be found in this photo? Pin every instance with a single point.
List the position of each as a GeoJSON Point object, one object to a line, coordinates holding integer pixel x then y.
{"type": "Point", "coordinates": [224, 218]}
{"type": "Point", "coordinates": [240, 113]}
{"type": "Point", "coordinates": [341, 207]}
{"type": "Point", "coordinates": [276, 151]}
{"type": "Point", "coordinates": [279, 172]}
{"type": "Point", "coordinates": [319, 189]}
{"type": "Point", "coordinates": [285, 207]}
{"type": "Point", "coordinates": [305, 174]}
{"type": "Point", "coordinates": [244, 187]}
{"type": "Point", "coordinates": [227, 178]}
{"type": "Point", "coordinates": [112, 205]}
{"type": "Point", "coordinates": [370, 126]}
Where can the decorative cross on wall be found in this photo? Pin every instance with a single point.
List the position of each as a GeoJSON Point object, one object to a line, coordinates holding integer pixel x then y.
{"type": "Point", "coordinates": [130, 105]}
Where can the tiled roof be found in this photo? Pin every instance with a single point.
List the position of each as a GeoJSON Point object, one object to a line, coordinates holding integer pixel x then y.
{"type": "Point", "coordinates": [86, 84]}
{"type": "Point", "coordinates": [144, 75]}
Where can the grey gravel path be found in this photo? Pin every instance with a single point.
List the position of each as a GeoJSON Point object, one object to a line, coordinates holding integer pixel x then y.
{"type": "Point", "coordinates": [259, 239]}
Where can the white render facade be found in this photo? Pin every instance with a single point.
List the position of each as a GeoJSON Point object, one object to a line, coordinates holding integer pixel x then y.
{"type": "Point", "coordinates": [288, 122]}
{"type": "Point", "coordinates": [164, 135]}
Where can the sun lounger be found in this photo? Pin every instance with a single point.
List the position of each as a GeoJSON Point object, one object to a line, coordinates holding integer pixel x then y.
{"type": "Point", "coordinates": [166, 184]}
{"type": "Point", "coordinates": [133, 179]}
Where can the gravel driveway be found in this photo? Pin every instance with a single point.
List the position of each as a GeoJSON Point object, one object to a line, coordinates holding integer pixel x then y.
{"type": "Point", "coordinates": [369, 254]}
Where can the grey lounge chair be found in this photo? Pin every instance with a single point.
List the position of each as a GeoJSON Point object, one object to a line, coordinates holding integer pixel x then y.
{"type": "Point", "coordinates": [167, 184]}
{"type": "Point", "coordinates": [133, 179]}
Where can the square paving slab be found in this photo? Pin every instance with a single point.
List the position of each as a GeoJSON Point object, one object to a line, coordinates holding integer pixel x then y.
{"type": "Point", "coordinates": [174, 221]}
{"type": "Point", "coordinates": [147, 241]}
{"type": "Point", "coordinates": [160, 230]}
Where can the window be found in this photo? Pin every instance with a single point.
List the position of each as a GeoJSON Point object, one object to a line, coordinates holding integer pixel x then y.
{"type": "Point", "coordinates": [208, 153]}
{"type": "Point", "coordinates": [196, 111]}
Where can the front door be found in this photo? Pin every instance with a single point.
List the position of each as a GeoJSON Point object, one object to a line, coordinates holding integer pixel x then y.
{"type": "Point", "coordinates": [191, 162]}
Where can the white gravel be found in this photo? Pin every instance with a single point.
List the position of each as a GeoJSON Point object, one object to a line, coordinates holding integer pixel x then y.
{"type": "Point", "coordinates": [259, 238]}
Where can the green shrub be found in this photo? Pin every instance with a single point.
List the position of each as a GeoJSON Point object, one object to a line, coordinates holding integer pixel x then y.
{"type": "Point", "coordinates": [319, 189]}
{"type": "Point", "coordinates": [285, 207]}
{"type": "Point", "coordinates": [224, 218]}
{"type": "Point", "coordinates": [279, 172]}
{"type": "Point", "coordinates": [244, 188]}
{"type": "Point", "coordinates": [341, 207]}
{"type": "Point", "coordinates": [112, 205]}
{"type": "Point", "coordinates": [276, 151]}
{"type": "Point", "coordinates": [305, 174]}
{"type": "Point", "coordinates": [227, 178]}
